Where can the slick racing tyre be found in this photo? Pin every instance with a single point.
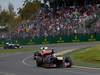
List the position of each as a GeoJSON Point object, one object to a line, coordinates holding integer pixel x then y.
{"type": "Point", "coordinates": [68, 62]}
{"type": "Point", "coordinates": [39, 62]}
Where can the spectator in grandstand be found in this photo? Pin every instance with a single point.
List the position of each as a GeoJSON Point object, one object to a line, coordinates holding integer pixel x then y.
{"type": "Point", "coordinates": [63, 22]}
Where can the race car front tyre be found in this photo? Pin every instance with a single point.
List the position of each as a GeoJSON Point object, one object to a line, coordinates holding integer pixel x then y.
{"type": "Point", "coordinates": [39, 62]}
{"type": "Point", "coordinates": [68, 62]}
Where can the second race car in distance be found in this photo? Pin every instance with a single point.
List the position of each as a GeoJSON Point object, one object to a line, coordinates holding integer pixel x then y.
{"type": "Point", "coordinates": [12, 46]}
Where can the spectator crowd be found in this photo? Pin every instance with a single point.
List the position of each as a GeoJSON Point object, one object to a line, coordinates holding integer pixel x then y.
{"type": "Point", "coordinates": [63, 21]}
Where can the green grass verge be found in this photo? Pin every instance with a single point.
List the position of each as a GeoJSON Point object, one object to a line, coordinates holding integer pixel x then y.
{"type": "Point", "coordinates": [17, 50]}
{"type": "Point", "coordinates": [91, 55]}
{"type": "Point", "coordinates": [88, 57]}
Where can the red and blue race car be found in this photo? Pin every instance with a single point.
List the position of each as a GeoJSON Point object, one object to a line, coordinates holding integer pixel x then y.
{"type": "Point", "coordinates": [48, 58]}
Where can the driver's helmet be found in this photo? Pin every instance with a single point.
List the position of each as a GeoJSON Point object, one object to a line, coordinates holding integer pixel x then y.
{"type": "Point", "coordinates": [44, 48]}
{"type": "Point", "coordinates": [7, 43]}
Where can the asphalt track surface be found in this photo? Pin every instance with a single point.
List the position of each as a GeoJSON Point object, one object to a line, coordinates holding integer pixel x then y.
{"type": "Point", "coordinates": [23, 64]}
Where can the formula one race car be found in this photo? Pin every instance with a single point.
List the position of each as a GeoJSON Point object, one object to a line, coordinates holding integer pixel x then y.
{"type": "Point", "coordinates": [12, 46]}
{"type": "Point", "coordinates": [47, 58]}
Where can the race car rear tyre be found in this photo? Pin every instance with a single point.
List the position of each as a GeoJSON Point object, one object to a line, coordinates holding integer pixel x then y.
{"type": "Point", "coordinates": [69, 61]}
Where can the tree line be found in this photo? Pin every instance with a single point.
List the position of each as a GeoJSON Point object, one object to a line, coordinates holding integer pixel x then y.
{"type": "Point", "coordinates": [11, 18]}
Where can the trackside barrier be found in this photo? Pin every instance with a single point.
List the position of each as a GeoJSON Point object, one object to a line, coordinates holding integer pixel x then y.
{"type": "Point", "coordinates": [50, 40]}
{"type": "Point", "coordinates": [98, 37]}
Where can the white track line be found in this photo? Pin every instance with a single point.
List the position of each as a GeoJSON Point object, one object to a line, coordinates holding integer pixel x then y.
{"type": "Point", "coordinates": [91, 68]}
{"type": "Point", "coordinates": [25, 59]}
{"type": "Point", "coordinates": [66, 51]}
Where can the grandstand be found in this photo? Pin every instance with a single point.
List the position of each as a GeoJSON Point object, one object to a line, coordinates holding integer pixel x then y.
{"type": "Point", "coordinates": [72, 17]}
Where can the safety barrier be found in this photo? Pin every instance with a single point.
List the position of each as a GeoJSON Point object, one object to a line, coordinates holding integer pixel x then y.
{"type": "Point", "coordinates": [50, 40]}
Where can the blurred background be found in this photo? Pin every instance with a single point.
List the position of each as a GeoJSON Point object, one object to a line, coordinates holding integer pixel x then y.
{"type": "Point", "coordinates": [30, 19]}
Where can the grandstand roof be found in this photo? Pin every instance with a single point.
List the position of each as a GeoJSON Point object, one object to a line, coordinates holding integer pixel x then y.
{"type": "Point", "coordinates": [64, 3]}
